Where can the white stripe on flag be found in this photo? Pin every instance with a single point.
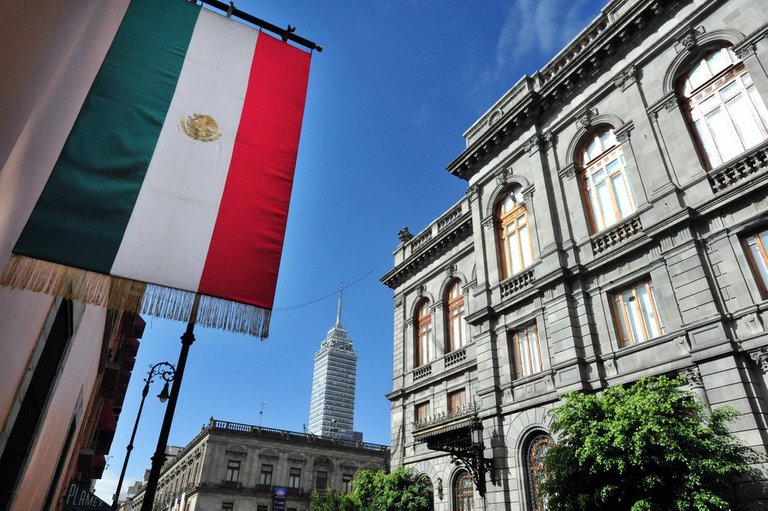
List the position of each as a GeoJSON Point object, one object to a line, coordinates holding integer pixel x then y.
{"type": "Point", "coordinates": [167, 238]}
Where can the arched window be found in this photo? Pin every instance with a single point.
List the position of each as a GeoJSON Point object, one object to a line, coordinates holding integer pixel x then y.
{"type": "Point", "coordinates": [463, 492]}
{"type": "Point", "coordinates": [428, 482]}
{"type": "Point", "coordinates": [535, 471]}
{"type": "Point", "coordinates": [424, 349]}
{"type": "Point", "coordinates": [724, 109]}
{"type": "Point", "coordinates": [515, 248]}
{"type": "Point", "coordinates": [455, 317]}
{"type": "Point", "coordinates": [606, 180]}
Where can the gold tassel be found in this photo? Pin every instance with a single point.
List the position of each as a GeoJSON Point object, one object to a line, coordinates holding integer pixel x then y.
{"type": "Point", "coordinates": [128, 295]}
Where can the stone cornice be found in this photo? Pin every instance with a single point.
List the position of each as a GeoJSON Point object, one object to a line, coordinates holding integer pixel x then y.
{"type": "Point", "coordinates": [428, 251]}
{"type": "Point", "coordinates": [593, 51]}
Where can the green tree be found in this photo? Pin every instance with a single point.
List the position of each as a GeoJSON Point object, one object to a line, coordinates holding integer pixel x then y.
{"type": "Point", "coordinates": [377, 490]}
{"type": "Point", "coordinates": [648, 447]}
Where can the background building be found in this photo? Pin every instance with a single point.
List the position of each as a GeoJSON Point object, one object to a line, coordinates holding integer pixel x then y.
{"type": "Point", "coordinates": [614, 226]}
{"type": "Point", "coordinates": [332, 408]}
{"type": "Point", "coordinates": [238, 467]}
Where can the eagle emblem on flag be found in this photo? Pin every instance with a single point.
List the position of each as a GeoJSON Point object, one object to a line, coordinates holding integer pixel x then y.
{"type": "Point", "coordinates": [200, 127]}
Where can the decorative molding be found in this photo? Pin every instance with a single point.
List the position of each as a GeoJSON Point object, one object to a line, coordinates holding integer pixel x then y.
{"type": "Point", "coordinates": [568, 172]}
{"type": "Point", "coordinates": [746, 51]}
{"type": "Point", "coordinates": [488, 222]}
{"type": "Point", "coordinates": [622, 133]}
{"type": "Point", "coordinates": [690, 39]}
{"type": "Point", "coordinates": [504, 175]}
{"type": "Point", "coordinates": [760, 358]}
{"type": "Point", "coordinates": [494, 117]}
{"type": "Point", "coordinates": [585, 118]}
{"type": "Point", "coordinates": [450, 270]}
{"type": "Point", "coordinates": [473, 192]}
{"type": "Point", "coordinates": [693, 376]}
{"type": "Point", "coordinates": [398, 300]}
{"type": "Point", "coordinates": [626, 78]}
{"type": "Point", "coordinates": [516, 283]}
{"type": "Point", "coordinates": [533, 144]}
{"type": "Point", "coordinates": [422, 372]}
{"type": "Point", "coordinates": [528, 194]}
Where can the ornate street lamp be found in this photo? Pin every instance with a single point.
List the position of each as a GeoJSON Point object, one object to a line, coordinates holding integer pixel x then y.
{"type": "Point", "coordinates": [167, 372]}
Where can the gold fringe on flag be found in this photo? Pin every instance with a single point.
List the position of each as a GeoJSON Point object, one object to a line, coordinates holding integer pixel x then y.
{"type": "Point", "coordinates": [128, 295]}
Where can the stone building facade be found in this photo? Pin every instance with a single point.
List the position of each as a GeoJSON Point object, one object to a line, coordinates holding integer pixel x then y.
{"type": "Point", "coordinates": [238, 467]}
{"type": "Point", "coordinates": [614, 226]}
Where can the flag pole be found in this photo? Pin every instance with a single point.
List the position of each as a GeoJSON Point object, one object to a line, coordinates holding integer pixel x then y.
{"type": "Point", "coordinates": [158, 459]}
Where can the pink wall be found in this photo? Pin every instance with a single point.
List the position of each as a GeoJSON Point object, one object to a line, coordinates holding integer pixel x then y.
{"type": "Point", "coordinates": [53, 50]}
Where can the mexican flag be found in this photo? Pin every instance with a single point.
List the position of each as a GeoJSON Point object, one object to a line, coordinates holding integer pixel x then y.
{"type": "Point", "coordinates": [176, 177]}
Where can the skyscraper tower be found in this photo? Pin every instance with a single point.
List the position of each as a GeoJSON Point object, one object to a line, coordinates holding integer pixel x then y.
{"type": "Point", "coordinates": [332, 409]}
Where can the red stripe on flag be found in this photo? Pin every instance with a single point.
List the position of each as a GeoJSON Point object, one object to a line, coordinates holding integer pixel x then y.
{"type": "Point", "coordinates": [244, 255]}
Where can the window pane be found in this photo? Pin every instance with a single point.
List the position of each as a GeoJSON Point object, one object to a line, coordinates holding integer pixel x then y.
{"type": "Point", "coordinates": [698, 75]}
{"type": "Point", "coordinates": [758, 258]}
{"type": "Point", "coordinates": [527, 249]}
{"type": "Point", "coordinates": [635, 320]}
{"type": "Point", "coordinates": [757, 101]}
{"type": "Point", "coordinates": [718, 61]}
{"type": "Point", "coordinates": [525, 356]}
{"type": "Point", "coordinates": [596, 213]}
{"type": "Point", "coordinates": [604, 196]}
{"type": "Point", "coordinates": [649, 316]}
{"type": "Point", "coordinates": [725, 137]}
{"type": "Point", "coordinates": [626, 340]}
{"type": "Point", "coordinates": [534, 350]}
{"type": "Point", "coordinates": [703, 136]}
{"type": "Point", "coordinates": [745, 122]}
{"type": "Point", "coordinates": [623, 199]}
{"type": "Point", "coordinates": [514, 251]}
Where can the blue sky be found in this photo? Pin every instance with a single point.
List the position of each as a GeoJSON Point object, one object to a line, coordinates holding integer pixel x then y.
{"type": "Point", "coordinates": [397, 84]}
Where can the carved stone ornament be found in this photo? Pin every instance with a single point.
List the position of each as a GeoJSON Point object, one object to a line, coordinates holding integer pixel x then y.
{"type": "Point", "coordinates": [761, 359]}
{"type": "Point", "coordinates": [504, 176]}
{"type": "Point", "coordinates": [488, 222]}
{"type": "Point", "coordinates": [550, 139]}
{"type": "Point", "coordinates": [528, 194]}
{"type": "Point", "coordinates": [671, 103]}
{"type": "Point", "coordinates": [440, 493]}
{"type": "Point", "coordinates": [398, 300]}
{"type": "Point", "coordinates": [746, 51]}
{"type": "Point", "coordinates": [693, 376]}
{"type": "Point", "coordinates": [473, 192]}
{"type": "Point", "coordinates": [421, 289]}
{"type": "Point", "coordinates": [626, 78]}
{"type": "Point", "coordinates": [405, 235]}
{"type": "Point", "coordinates": [568, 171]}
{"type": "Point", "coordinates": [689, 40]}
{"type": "Point", "coordinates": [494, 117]}
{"type": "Point", "coordinates": [533, 143]}
{"type": "Point", "coordinates": [450, 271]}
{"type": "Point", "coordinates": [585, 119]}
{"type": "Point", "coordinates": [622, 134]}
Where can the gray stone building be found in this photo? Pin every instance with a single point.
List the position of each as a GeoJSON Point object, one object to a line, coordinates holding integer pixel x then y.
{"type": "Point", "coordinates": [614, 226]}
{"type": "Point", "coordinates": [239, 467]}
{"type": "Point", "coordinates": [332, 407]}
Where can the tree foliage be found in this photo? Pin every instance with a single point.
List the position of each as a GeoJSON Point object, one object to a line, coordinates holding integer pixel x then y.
{"type": "Point", "coordinates": [648, 447]}
{"type": "Point", "coordinates": [377, 490]}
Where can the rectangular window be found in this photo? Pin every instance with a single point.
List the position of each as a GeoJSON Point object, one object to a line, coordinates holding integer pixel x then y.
{"type": "Point", "coordinates": [756, 246]}
{"type": "Point", "coordinates": [262, 507]}
{"type": "Point", "coordinates": [637, 318]}
{"type": "Point", "coordinates": [526, 352]}
{"type": "Point", "coordinates": [346, 479]}
{"type": "Point", "coordinates": [227, 506]}
{"type": "Point", "coordinates": [294, 478]}
{"type": "Point", "coordinates": [233, 471]}
{"type": "Point", "coordinates": [266, 474]}
{"type": "Point", "coordinates": [321, 481]}
{"type": "Point", "coordinates": [457, 401]}
{"type": "Point", "coordinates": [422, 411]}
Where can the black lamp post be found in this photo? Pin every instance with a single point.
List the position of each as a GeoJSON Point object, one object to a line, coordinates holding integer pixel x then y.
{"type": "Point", "coordinates": [166, 371]}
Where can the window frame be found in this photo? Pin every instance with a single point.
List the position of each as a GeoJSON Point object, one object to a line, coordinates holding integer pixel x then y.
{"type": "Point", "coordinates": [456, 310]}
{"type": "Point", "coordinates": [463, 490]}
{"type": "Point", "coordinates": [294, 477]}
{"type": "Point", "coordinates": [513, 217]}
{"type": "Point", "coordinates": [692, 101]}
{"type": "Point", "coordinates": [516, 348]}
{"type": "Point", "coordinates": [233, 470]}
{"type": "Point", "coordinates": [325, 480]}
{"type": "Point", "coordinates": [598, 218]}
{"type": "Point", "coordinates": [760, 279]}
{"type": "Point", "coordinates": [346, 481]}
{"type": "Point", "coordinates": [457, 401]}
{"type": "Point", "coordinates": [622, 318]}
{"type": "Point", "coordinates": [265, 476]}
{"type": "Point", "coordinates": [424, 333]}
{"type": "Point", "coordinates": [421, 411]}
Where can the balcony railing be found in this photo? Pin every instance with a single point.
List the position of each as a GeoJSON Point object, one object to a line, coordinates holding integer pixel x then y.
{"type": "Point", "coordinates": [739, 169]}
{"type": "Point", "coordinates": [611, 237]}
{"type": "Point", "coordinates": [455, 357]}
{"type": "Point", "coordinates": [465, 412]}
{"type": "Point", "coordinates": [516, 283]}
{"type": "Point", "coordinates": [422, 372]}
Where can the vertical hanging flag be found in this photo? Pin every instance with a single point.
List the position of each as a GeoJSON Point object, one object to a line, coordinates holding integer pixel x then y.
{"type": "Point", "coordinates": [177, 174]}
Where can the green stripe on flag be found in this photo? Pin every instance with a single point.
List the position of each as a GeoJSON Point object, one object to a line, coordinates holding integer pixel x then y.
{"type": "Point", "coordinates": [84, 209]}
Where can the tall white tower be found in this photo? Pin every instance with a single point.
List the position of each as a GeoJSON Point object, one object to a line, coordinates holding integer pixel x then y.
{"type": "Point", "coordinates": [332, 409]}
